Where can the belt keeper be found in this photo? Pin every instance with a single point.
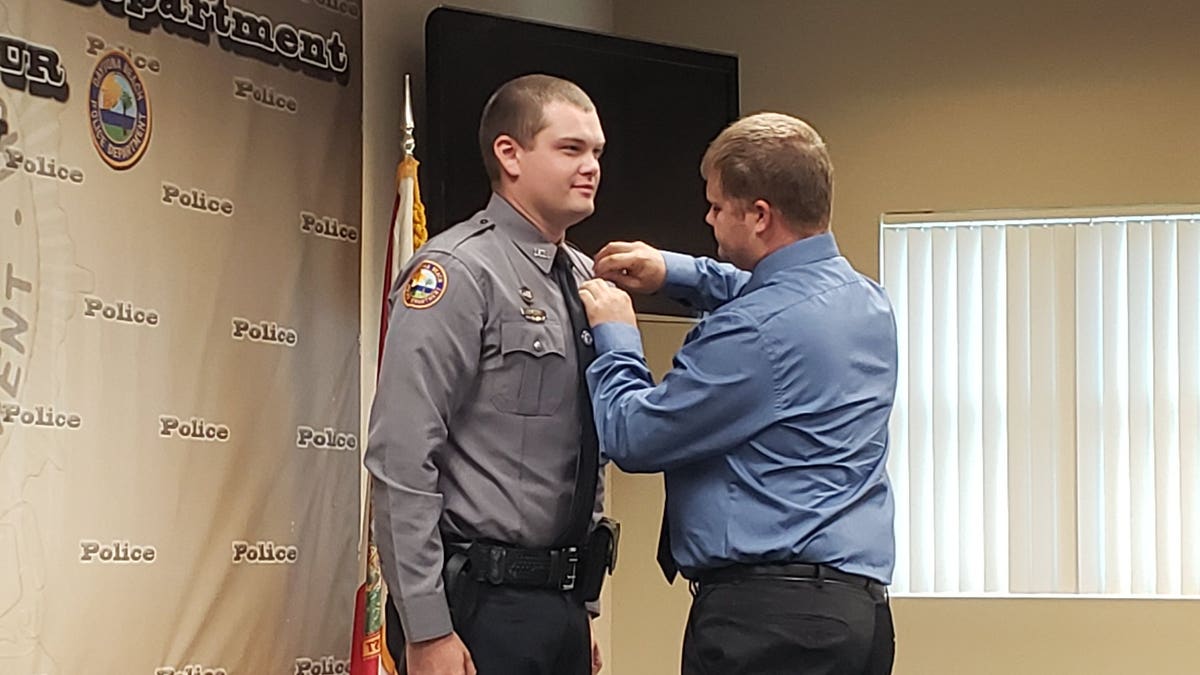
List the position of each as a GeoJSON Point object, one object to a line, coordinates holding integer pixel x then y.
{"type": "Point", "coordinates": [495, 571]}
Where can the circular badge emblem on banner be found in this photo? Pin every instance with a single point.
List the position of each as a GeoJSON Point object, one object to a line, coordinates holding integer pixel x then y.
{"type": "Point", "coordinates": [425, 286]}
{"type": "Point", "coordinates": [118, 111]}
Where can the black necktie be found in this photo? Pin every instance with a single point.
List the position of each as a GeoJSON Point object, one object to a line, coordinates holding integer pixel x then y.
{"type": "Point", "coordinates": [584, 498]}
{"type": "Point", "coordinates": [666, 561]}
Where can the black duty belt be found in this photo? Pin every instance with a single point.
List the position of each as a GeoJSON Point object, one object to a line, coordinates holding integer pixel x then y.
{"type": "Point", "coordinates": [499, 565]}
{"type": "Point", "coordinates": [788, 571]}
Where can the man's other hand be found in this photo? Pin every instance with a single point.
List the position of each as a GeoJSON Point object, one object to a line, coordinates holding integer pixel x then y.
{"type": "Point", "coordinates": [446, 655]}
{"type": "Point", "coordinates": [597, 658]}
{"type": "Point", "coordinates": [605, 303]}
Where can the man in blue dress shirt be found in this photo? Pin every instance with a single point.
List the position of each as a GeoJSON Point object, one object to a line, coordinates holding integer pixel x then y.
{"type": "Point", "coordinates": [771, 428]}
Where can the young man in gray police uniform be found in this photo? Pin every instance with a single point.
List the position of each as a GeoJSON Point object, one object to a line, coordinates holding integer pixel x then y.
{"type": "Point", "coordinates": [771, 428]}
{"type": "Point", "coordinates": [482, 448]}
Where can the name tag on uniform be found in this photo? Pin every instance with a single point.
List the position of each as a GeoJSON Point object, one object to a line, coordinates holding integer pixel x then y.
{"type": "Point", "coordinates": [534, 315]}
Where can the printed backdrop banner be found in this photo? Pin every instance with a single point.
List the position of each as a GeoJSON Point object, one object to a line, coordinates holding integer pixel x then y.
{"type": "Point", "coordinates": [179, 280]}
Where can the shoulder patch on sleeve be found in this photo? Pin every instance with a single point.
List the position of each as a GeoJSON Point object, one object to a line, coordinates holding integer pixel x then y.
{"type": "Point", "coordinates": [425, 286]}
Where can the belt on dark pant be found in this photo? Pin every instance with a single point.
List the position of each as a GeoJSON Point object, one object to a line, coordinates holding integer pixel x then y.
{"type": "Point", "coordinates": [532, 568]}
{"type": "Point", "coordinates": [741, 572]}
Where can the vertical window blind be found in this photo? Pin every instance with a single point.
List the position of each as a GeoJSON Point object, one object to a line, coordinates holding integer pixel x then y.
{"type": "Point", "coordinates": [1046, 435]}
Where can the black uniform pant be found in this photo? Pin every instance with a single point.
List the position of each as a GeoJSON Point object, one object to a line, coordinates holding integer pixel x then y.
{"type": "Point", "coordinates": [788, 626]}
{"type": "Point", "coordinates": [518, 631]}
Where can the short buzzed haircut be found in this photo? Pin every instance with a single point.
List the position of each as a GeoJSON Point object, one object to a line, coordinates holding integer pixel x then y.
{"type": "Point", "coordinates": [517, 109]}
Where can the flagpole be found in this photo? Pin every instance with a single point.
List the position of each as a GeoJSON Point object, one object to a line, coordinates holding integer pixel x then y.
{"type": "Point", "coordinates": [407, 230]}
{"type": "Point", "coordinates": [410, 143]}
{"type": "Point", "coordinates": [404, 243]}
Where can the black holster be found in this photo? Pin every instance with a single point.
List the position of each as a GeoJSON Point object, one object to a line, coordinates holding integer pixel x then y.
{"type": "Point", "coordinates": [599, 559]}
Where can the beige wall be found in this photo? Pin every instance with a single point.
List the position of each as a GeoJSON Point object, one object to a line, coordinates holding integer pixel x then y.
{"type": "Point", "coordinates": [647, 614]}
{"type": "Point", "coordinates": [949, 105]}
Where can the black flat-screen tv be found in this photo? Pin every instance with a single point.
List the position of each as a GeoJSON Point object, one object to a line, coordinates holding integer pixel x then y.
{"type": "Point", "coordinates": [659, 105]}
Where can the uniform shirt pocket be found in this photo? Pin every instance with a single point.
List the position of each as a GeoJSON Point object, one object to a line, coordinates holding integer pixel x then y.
{"type": "Point", "coordinates": [534, 373]}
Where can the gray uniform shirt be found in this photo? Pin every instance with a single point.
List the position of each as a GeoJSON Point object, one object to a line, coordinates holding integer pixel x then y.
{"type": "Point", "coordinates": [474, 432]}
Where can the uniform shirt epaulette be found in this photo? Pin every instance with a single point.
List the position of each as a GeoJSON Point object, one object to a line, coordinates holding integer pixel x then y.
{"type": "Point", "coordinates": [469, 229]}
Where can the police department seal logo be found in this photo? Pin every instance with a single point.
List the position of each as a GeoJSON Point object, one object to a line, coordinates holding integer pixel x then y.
{"type": "Point", "coordinates": [425, 286]}
{"type": "Point", "coordinates": [118, 111]}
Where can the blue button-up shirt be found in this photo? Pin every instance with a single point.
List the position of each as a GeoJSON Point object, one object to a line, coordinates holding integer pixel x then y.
{"type": "Point", "coordinates": [771, 427]}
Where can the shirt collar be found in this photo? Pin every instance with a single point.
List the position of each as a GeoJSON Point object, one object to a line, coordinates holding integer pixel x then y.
{"type": "Point", "coordinates": [522, 232]}
{"type": "Point", "coordinates": [803, 252]}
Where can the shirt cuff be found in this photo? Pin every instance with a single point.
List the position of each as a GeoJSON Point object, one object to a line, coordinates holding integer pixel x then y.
{"type": "Point", "coordinates": [616, 336]}
{"type": "Point", "coordinates": [682, 273]}
{"type": "Point", "coordinates": [424, 617]}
